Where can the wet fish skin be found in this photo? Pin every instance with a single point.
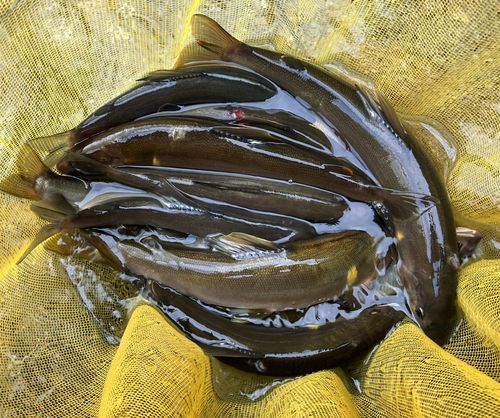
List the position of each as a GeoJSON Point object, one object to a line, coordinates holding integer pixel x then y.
{"type": "Point", "coordinates": [199, 84]}
{"type": "Point", "coordinates": [151, 212]}
{"type": "Point", "coordinates": [246, 273]}
{"type": "Point", "coordinates": [276, 351]}
{"type": "Point", "coordinates": [176, 142]}
{"type": "Point", "coordinates": [213, 83]}
{"type": "Point", "coordinates": [297, 130]}
{"type": "Point", "coordinates": [427, 245]}
{"type": "Point", "coordinates": [33, 180]}
{"type": "Point", "coordinates": [254, 193]}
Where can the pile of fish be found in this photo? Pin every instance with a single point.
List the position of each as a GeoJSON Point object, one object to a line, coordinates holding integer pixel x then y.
{"type": "Point", "coordinates": [251, 182]}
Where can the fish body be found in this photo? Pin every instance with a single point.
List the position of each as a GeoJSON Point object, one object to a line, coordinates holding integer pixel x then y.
{"type": "Point", "coordinates": [143, 211]}
{"type": "Point", "coordinates": [253, 193]}
{"type": "Point", "coordinates": [426, 245]}
{"type": "Point", "coordinates": [246, 272]}
{"type": "Point", "coordinates": [290, 127]}
{"type": "Point", "coordinates": [201, 144]}
{"type": "Point", "coordinates": [199, 84]}
{"type": "Point", "coordinates": [35, 181]}
{"type": "Point", "coordinates": [277, 351]}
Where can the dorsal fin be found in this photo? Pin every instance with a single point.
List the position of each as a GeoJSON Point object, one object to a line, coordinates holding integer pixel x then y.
{"type": "Point", "coordinates": [375, 100]}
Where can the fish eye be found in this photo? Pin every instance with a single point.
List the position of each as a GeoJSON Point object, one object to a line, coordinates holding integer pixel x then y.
{"type": "Point", "coordinates": [419, 312]}
{"type": "Point", "coordinates": [260, 366]}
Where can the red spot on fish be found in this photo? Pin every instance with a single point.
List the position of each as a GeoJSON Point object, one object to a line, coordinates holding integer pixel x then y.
{"type": "Point", "coordinates": [238, 113]}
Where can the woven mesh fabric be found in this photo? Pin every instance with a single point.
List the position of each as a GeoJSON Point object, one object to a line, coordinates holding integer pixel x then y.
{"type": "Point", "coordinates": [76, 341]}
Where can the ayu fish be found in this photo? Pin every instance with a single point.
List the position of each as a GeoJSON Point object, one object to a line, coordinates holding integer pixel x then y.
{"type": "Point", "coordinates": [198, 84]}
{"type": "Point", "coordinates": [33, 180]}
{"type": "Point", "coordinates": [247, 272]}
{"type": "Point", "coordinates": [144, 211]}
{"type": "Point", "coordinates": [289, 127]}
{"type": "Point", "coordinates": [204, 145]}
{"type": "Point", "coordinates": [253, 193]}
{"type": "Point", "coordinates": [277, 351]}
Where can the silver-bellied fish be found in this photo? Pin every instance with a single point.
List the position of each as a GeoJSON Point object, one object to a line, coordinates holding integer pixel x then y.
{"type": "Point", "coordinates": [178, 142]}
{"type": "Point", "coordinates": [247, 272]}
{"type": "Point", "coordinates": [253, 193]}
{"type": "Point", "coordinates": [277, 351]}
{"type": "Point", "coordinates": [199, 84]}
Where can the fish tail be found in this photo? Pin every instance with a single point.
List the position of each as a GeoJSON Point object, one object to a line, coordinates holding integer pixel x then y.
{"type": "Point", "coordinates": [79, 244]}
{"type": "Point", "coordinates": [55, 210]}
{"type": "Point", "coordinates": [406, 206]}
{"type": "Point", "coordinates": [53, 147]}
{"type": "Point", "coordinates": [213, 42]}
{"type": "Point", "coordinates": [64, 245]}
{"type": "Point", "coordinates": [29, 168]}
{"type": "Point", "coordinates": [45, 233]}
{"type": "Point", "coordinates": [211, 36]}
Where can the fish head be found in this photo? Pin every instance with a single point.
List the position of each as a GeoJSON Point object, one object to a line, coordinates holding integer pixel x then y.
{"type": "Point", "coordinates": [434, 315]}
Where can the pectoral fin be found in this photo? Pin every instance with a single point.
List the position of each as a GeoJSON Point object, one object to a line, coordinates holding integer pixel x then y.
{"type": "Point", "coordinates": [241, 246]}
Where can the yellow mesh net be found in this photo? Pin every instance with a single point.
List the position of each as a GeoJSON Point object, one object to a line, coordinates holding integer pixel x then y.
{"type": "Point", "coordinates": [77, 341]}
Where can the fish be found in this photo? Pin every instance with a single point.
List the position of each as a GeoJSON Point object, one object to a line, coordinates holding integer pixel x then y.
{"type": "Point", "coordinates": [366, 121]}
{"type": "Point", "coordinates": [289, 127]}
{"type": "Point", "coordinates": [33, 180]}
{"type": "Point", "coordinates": [276, 351]}
{"type": "Point", "coordinates": [151, 211]}
{"type": "Point", "coordinates": [176, 142]}
{"type": "Point", "coordinates": [253, 193]}
{"type": "Point", "coordinates": [246, 272]}
{"type": "Point", "coordinates": [198, 84]}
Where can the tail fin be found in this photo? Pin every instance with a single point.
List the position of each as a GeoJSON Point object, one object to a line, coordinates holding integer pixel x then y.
{"type": "Point", "coordinates": [55, 210]}
{"type": "Point", "coordinates": [215, 42]}
{"type": "Point", "coordinates": [52, 148]}
{"type": "Point", "coordinates": [212, 36]}
{"type": "Point", "coordinates": [29, 168]}
{"type": "Point", "coordinates": [74, 243]}
{"type": "Point", "coordinates": [406, 206]}
{"type": "Point", "coordinates": [103, 244]}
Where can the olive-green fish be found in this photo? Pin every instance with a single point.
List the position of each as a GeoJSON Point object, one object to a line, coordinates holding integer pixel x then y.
{"type": "Point", "coordinates": [252, 193]}
{"type": "Point", "coordinates": [289, 127]}
{"type": "Point", "coordinates": [152, 212]}
{"type": "Point", "coordinates": [33, 180]}
{"type": "Point", "coordinates": [199, 84]}
{"type": "Point", "coordinates": [367, 122]}
{"type": "Point", "coordinates": [201, 144]}
{"type": "Point", "coordinates": [246, 272]}
{"type": "Point", "coordinates": [277, 351]}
